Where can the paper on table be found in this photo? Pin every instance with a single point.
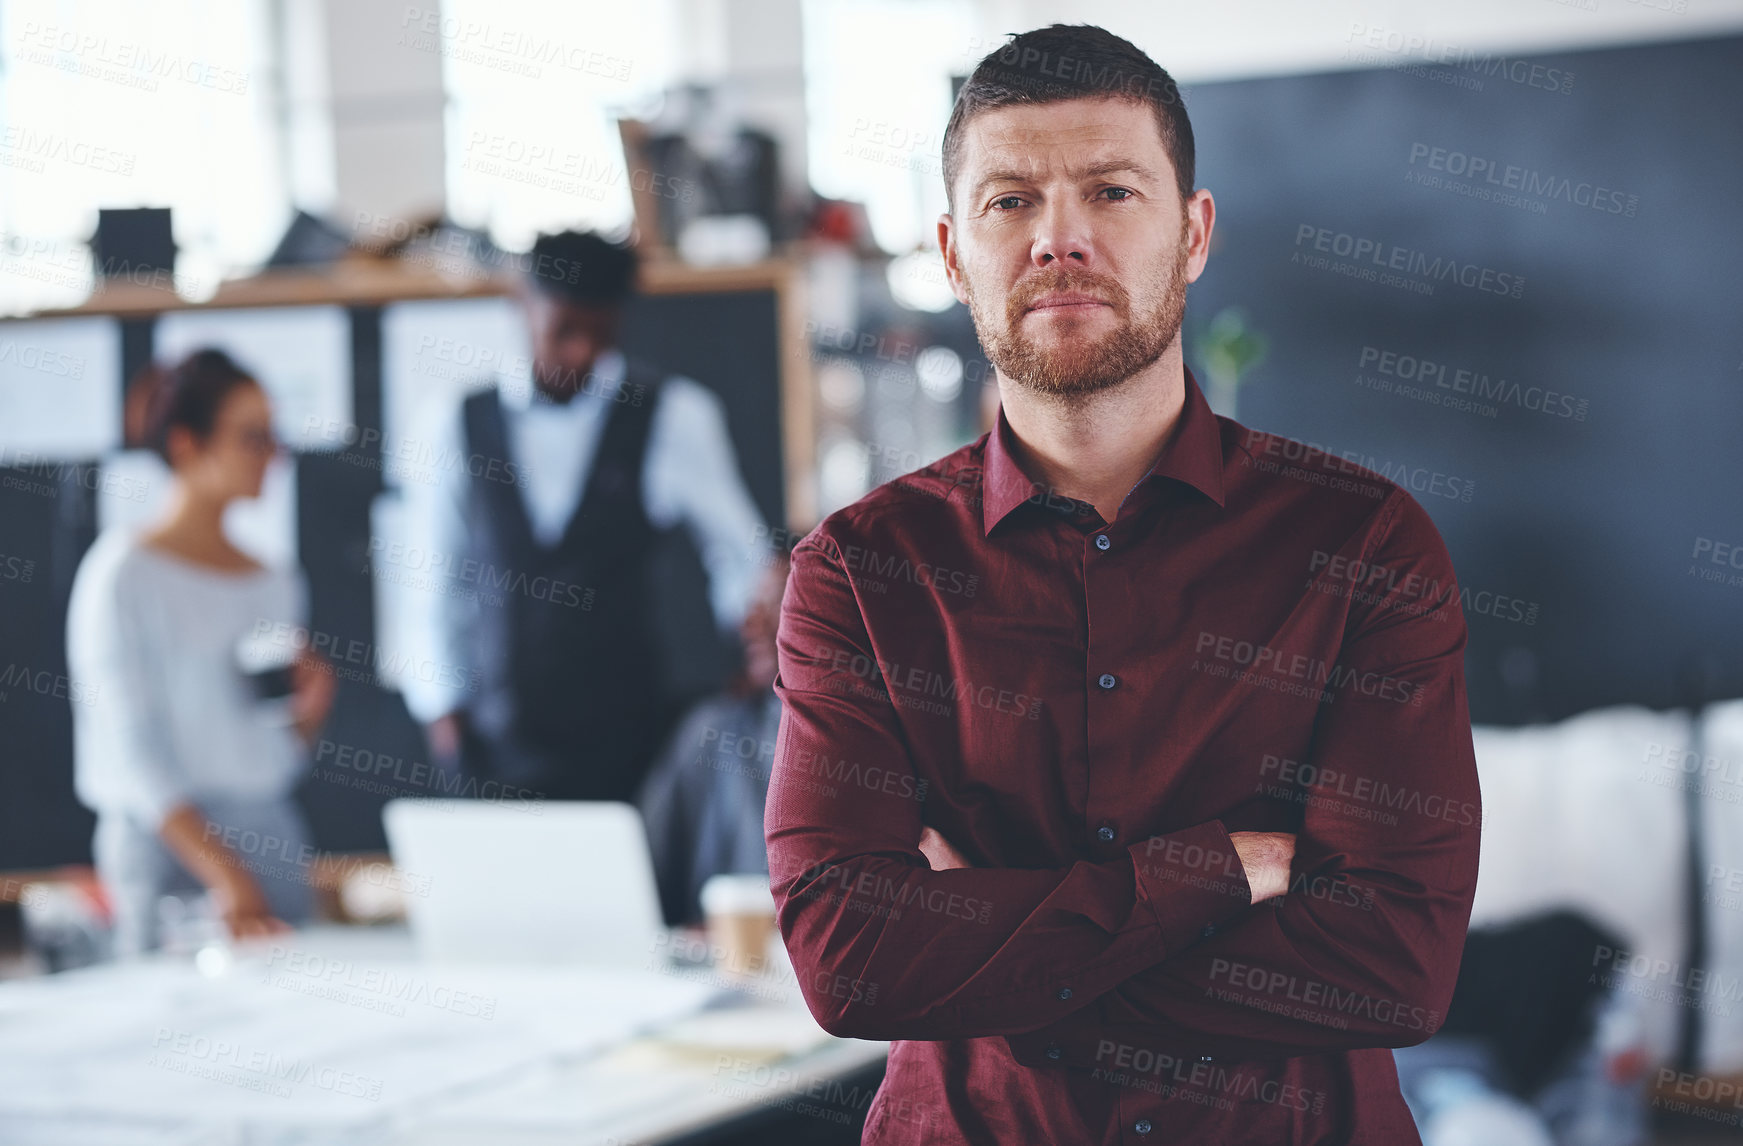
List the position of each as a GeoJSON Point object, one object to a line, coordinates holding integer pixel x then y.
{"type": "Point", "coordinates": [678, 1064]}
{"type": "Point", "coordinates": [293, 1042]}
{"type": "Point", "coordinates": [749, 1031]}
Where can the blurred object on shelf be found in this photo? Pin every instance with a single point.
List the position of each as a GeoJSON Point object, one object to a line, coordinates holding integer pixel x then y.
{"type": "Point", "coordinates": [842, 221]}
{"type": "Point", "coordinates": [136, 244]}
{"type": "Point", "coordinates": [723, 241]}
{"type": "Point", "coordinates": [649, 234]}
{"type": "Point", "coordinates": [436, 243]}
{"type": "Point", "coordinates": [697, 163]}
{"type": "Point", "coordinates": [309, 241]}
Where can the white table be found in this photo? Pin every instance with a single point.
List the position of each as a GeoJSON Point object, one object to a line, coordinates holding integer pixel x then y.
{"type": "Point", "coordinates": [336, 1036]}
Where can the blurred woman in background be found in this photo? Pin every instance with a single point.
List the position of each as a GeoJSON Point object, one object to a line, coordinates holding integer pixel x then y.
{"type": "Point", "coordinates": [184, 751]}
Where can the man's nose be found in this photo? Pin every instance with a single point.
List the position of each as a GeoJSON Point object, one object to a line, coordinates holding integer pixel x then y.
{"type": "Point", "coordinates": [1062, 234]}
{"type": "Point", "coordinates": [577, 351]}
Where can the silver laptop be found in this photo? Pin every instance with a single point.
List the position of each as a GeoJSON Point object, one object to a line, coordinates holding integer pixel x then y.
{"type": "Point", "coordinates": [556, 882]}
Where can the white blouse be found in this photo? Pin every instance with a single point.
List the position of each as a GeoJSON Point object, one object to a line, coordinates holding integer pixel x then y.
{"type": "Point", "coordinates": [162, 712]}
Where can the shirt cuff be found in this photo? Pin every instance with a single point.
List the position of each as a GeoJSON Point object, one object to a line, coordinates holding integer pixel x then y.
{"type": "Point", "coordinates": [427, 701]}
{"type": "Point", "coordinates": [1193, 881]}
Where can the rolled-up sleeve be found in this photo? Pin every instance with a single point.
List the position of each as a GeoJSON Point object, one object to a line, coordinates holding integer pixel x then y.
{"type": "Point", "coordinates": [693, 476]}
{"type": "Point", "coordinates": [436, 608]}
{"type": "Point", "coordinates": [1364, 949]}
{"type": "Point", "coordinates": [887, 948]}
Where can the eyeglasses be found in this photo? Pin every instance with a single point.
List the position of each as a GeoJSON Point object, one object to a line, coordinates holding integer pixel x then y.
{"type": "Point", "coordinates": [258, 441]}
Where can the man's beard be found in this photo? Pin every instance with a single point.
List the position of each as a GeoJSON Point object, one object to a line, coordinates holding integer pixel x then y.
{"type": "Point", "coordinates": [557, 383]}
{"type": "Point", "coordinates": [1068, 370]}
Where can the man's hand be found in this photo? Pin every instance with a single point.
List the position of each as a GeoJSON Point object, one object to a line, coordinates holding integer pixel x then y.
{"type": "Point", "coordinates": [1267, 857]}
{"type": "Point", "coordinates": [443, 735]}
{"type": "Point", "coordinates": [939, 853]}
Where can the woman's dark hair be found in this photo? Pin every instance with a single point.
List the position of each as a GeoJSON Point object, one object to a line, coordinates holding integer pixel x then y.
{"type": "Point", "coordinates": [189, 394]}
{"type": "Point", "coordinates": [1064, 62]}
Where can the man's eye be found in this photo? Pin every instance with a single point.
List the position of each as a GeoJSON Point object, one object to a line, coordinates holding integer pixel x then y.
{"type": "Point", "coordinates": [1006, 199]}
{"type": "Point", "coordinates": [1122, 192]}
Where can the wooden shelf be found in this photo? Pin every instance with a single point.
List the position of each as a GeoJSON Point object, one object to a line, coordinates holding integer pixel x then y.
{"type": "Point", "coordinates": [367, 281]}
{"type": "Point", "coordinates": [378, 282]}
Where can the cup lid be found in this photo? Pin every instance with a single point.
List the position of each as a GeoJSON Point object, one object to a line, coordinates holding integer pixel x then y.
{"type": "Point", "coordinates": [736, 894]}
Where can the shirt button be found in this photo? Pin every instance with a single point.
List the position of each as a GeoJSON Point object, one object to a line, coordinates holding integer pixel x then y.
{"type": "Point", "coordinates": [1064, 993]}
{"type": "Point", "coordinates": [1101, 541]}
{"type": "Point", "coordinates": [1053, 1052]}
{"type": "Point", "coordinates": [1142, 1126]}
{"type": "Point", "coordinates": [1105, 834]}
{"type": "Point", "coordinates": [1107, 680]}
{"type": "Point", "coordinates": [1209, 930]}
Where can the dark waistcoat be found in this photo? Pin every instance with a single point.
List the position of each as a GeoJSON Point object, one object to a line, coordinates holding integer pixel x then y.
{"type": "Point", "coordinates": [567, 674]}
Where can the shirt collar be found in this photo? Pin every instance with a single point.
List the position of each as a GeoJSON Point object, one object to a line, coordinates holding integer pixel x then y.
{"type": "Point", "coordinates": [1194, 455]}
{"type": "Point", "coordinates": [607, 375]}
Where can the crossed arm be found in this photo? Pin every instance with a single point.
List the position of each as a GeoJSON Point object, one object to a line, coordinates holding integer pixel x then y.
{"type": "Point", "coordinates": [1265, 858]}
{"type": "Point", "coordinates": [895, 936]}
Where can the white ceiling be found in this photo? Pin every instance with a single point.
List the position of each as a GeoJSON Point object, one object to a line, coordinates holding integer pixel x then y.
{"type": "Point", "coordinates": [1227, 39]}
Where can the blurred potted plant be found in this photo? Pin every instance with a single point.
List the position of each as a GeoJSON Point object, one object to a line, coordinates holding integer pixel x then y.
{"type": "Point", "coordinates": [1226, 351]}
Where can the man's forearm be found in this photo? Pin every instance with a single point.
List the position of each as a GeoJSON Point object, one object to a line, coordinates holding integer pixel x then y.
{"type": "Point", "coordinates": [1308, 974]}
{"type": "Point", "coordinates": [888, 948]}
{"type": "Point", "coordinates": [1247, 991]}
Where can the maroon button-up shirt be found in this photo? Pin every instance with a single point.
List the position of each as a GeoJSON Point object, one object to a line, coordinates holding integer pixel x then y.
{"type": "Point", "coordinates": [1266, 638]}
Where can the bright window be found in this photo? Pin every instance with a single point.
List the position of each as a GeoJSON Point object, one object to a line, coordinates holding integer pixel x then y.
{"type": "Point", "coordinates": [534, 90]}
{"type": "Point", "coordinates": [114, 103]}
{"type": "Point", "coordinates": [877, 98]}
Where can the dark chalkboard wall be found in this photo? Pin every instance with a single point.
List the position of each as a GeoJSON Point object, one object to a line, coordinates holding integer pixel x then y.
{"type": "Point", "coordinates": [1629, 313]}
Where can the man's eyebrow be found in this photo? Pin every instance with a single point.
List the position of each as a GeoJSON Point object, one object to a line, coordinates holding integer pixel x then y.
{"type": "Point", "coordinates": [1088, 171]}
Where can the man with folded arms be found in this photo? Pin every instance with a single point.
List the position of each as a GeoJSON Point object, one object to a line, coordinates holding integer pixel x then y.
{"type": "Point", "coordinates": [1125, 778]}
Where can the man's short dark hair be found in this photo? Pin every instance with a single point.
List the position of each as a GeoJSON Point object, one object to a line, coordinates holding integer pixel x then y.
{"type": "Point", "coordinates": [582, 267]}
{"type": "Point", "coordinates": [1064, 62]}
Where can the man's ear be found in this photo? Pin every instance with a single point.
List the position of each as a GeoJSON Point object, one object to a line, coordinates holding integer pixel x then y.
{"type": "Point", "coordinates": [1201, 223]}
{"type": "Point", "coordinates": [949, 252]}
